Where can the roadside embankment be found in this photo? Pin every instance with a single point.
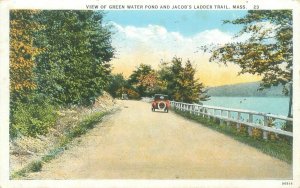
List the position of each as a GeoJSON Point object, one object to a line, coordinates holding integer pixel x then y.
{"type": "Point", "coordinates": [28, 153]}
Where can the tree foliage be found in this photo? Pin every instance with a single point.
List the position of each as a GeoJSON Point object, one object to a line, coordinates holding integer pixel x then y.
{"type": "Point", "coordinates": [33, 117]}
{"type": "Point", "coordinates": [117, 82]}
{"type": "Point", "coordinates": [30, 112]}
{"type": "Point", "coordinates": [268, 51]}
{"type": "Point", "coordinates": [180, 81]}
{"type": "Point", "coordinates": [22, 53]}
{"type": "Point", "coordinates": [57, 57]}
{"type": "Point", "coordinates": [143, 79]}
{"type": "Point", "coordinates": [172, 78]}
{"type": "Point", "coordinates": [73, 68]}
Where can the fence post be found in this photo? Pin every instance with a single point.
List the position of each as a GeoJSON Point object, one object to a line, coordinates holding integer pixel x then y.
{"type": "Point", "coordinates": [238, 125]}
{"type": "Point", "coordinates": [229, 116]}
{"type": "Point", "coordinates": [200, 110]}
{"type": "Point", "coordinates": [207, 113]}
{"type": "Point", "coordinates": [250, 121]}
{"type": "Point", "coordinates": [221, 119]}
{"type": "Point", "coordinates": [265, 133]}
{"type": "Point", "coordinates": [214, 114]}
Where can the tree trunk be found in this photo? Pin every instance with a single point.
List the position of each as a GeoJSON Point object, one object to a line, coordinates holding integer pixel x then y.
{"type": "Point", "coordinates": [290, 101]}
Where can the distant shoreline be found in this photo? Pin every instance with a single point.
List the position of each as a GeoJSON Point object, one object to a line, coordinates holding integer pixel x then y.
{"type": "Point", "coordinates": [246, 90]}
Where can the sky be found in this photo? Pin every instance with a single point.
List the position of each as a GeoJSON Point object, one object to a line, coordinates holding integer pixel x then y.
{"type": "Point", "coordinates": [150, 37]}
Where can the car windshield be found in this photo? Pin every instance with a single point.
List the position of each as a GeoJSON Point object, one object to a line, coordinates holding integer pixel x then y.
{"type": "Point", "coordinates": [161, 97]}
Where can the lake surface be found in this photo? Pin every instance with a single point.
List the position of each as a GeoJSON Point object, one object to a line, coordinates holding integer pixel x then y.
{"type": "Point", "coordinates": [273, 105]}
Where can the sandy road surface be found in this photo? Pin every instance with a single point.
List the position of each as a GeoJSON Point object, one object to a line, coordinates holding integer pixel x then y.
{"type": "Point", "coordinates": [137, 143]}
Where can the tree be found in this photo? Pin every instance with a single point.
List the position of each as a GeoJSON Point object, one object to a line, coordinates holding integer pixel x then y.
{"type": "Point", "coordinates": [30, 112]}
{"type": "Point", "coordinates": [169, 74]}
{"type": "Point", "coordinates": [142, 79]}
{"type": "Point", "coordinates": [117, 82]}
{"type": "Point", "coordinates": [59, 57]}
{"type": "Point", "coordinates": [191, 89]}
{"type": "Point", "coordinates": [74, 66]}
{"type": "Point", "coordinates": [22, 54]}
{"type": "Point", "coordinates": [180, 81]}
{"type": "Point", "coordinates": [268, 51]}
{"type": "Point", "coordinates": [150, 82]}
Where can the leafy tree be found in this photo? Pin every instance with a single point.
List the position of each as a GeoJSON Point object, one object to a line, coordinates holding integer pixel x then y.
{"type": "Point", "coordinates": [73, 68]}
{"type": "Point", "coordinates": [150, 82]}
{"type": "Point", "coordinates": [117, 82]}
{"type": "Point", "coordinates": [191, 89]}
{"type": "Point", "coordinates": [180, 82]}
{"type": "Point", "coordinates": [30, 112]}
{"type": "Point", "coordinates": [169, 73]}
{"type": "Point", "coordinates": [22, 54]}
{"type": "Point", "coordinates": [268, 51]}
{"type": "Point", "coordinates": [142, 79]}
{"type": "Point", "coordinates": [55, 57]}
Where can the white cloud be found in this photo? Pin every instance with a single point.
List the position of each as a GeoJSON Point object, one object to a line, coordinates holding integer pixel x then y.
{"type": "Point", "coordinates": [155, 38]}
{"type": "Point", "coordinates": [153, 43]}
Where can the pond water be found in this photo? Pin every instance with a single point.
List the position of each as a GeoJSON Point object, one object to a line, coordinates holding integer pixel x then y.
{"type": "Point", "coordinates": [273, 105]}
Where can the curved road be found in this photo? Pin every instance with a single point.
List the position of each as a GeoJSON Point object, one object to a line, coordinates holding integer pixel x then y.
{"type": "Point", "coordinates": [137, 143]}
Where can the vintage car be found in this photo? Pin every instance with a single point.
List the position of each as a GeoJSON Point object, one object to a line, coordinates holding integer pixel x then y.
{"type": "Point", "coordinates": [160, 102]}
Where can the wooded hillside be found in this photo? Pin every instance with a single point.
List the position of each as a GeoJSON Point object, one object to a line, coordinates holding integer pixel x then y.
{"type": "Point", "coordinates": [246, 90]}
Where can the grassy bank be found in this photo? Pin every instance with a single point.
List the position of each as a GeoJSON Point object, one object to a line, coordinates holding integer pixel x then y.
{"type": "Point", "coordinates": [81, 128]}
{"type": "Point", "coordinates": [280, 149]}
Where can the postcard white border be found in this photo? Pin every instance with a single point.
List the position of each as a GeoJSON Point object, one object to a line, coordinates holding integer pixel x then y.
{"type": "Point", "coordinates": [6, 5]}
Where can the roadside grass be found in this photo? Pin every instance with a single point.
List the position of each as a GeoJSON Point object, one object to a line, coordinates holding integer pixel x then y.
{"type": "Point", "coordinates": [81, 128]}
{"type": "Point", "coordinates": [280, 149]}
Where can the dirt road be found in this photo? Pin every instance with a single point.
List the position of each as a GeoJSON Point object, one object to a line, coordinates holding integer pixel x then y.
{"type": "Point", "coordinates": [137, 143]}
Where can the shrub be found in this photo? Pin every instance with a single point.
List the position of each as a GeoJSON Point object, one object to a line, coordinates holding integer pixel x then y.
{"type": "Point", "coordinates": [256, 133]}
{"type": "Point", "coordinates": [243, 130]}
{"type": "Point", "coordinates": [35, 166]}
{"type": "Point", "coordinates": [33, 117]}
